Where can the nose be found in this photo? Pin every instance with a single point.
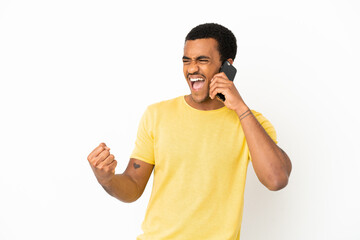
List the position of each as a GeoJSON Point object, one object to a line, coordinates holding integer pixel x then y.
{"type": "Point", "coordinates": [193, 67]}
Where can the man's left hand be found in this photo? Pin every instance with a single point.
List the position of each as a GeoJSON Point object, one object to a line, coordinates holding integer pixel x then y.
{"type": "Point", "coordinates": [221, 84]}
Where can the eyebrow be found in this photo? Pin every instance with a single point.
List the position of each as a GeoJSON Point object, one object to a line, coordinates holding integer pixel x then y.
{"type": "Point", "coordinates": [197, 58]}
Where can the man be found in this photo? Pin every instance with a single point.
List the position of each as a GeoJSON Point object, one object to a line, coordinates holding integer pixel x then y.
{"type": "Point", "coordinates": [199, 147]}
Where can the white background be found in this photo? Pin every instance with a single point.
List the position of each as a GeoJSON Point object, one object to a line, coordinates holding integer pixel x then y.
{"type": "Point", "coordinates": [76, 73]}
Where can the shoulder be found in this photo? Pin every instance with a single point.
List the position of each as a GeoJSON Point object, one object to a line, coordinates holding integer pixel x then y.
{"type": "Point", "coordinates": [261, 119]}
{"type": "Point", "coordinates": [165, 105]}
{"type": "Point", "coordinates": [160, 111]}
{"type": "Point", "coordinates": [266, 124]}
{"type": "Point", "coordinates": [258, 115]}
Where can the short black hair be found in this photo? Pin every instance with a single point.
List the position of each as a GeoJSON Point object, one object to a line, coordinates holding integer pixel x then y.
{"type": "Point", "coordinates": [226, 40]}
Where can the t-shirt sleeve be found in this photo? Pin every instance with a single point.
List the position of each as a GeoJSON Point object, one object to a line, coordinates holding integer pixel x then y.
{"type": "Point", "coordinates": [144, 143]}
{"type": "Point", "coordinates": [269, 128]}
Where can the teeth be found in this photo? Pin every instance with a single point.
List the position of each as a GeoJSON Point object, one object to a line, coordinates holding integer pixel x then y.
{"type": "Point", "coordinates": [196, 79]}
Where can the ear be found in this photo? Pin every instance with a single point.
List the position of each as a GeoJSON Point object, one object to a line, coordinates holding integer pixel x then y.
{"type": "Point", "coordinates": [230, 60]}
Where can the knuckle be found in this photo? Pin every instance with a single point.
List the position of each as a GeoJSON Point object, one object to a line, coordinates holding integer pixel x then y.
{"type": "Point", "coordinates": [92, 161]}
{"type": "Point", "coordinates": [100, 167]}
{"type": "Point", "coordinates": [101, 157]}
{"type": "Point", "coordinates": [108, 169]}
{"type": "Point", "coordinates": [97, 163]}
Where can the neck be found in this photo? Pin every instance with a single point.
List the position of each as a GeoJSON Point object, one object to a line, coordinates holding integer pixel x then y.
{"type": "Point", "coordinates": [206, 105]}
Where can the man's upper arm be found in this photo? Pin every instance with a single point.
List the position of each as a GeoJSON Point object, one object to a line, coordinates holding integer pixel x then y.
{"type": "Point", "coordinates": [139, 171]}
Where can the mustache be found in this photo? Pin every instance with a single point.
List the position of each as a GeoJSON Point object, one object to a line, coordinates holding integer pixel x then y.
{"type": "Point", "coordinates": [196, 73]}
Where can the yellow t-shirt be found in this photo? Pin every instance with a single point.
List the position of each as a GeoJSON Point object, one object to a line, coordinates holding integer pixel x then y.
{"type": "Point", "coordinates": [200, 159]}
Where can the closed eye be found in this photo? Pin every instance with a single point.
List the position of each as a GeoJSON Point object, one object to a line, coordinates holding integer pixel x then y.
{"type": "Point", "coordinates": [200, 59]}
{"type": "Point", "coordinates": [204, 60]}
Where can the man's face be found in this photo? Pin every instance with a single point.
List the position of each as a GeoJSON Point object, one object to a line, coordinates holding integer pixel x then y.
{"type": "Point", "coordinates": [201, 62]}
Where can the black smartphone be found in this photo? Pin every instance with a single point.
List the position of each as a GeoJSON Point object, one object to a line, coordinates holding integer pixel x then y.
{"type": "Point", "coordinates": [230, 72]}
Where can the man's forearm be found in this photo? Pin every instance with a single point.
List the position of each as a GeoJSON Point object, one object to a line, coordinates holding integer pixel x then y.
{"type": "Point", "coordinates": [271, 164]}
{"type": "Point", "coordinates": [122, 187]}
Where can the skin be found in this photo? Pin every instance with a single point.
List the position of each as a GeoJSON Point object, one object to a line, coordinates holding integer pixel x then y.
{"type": "Point", "coordinates": [201, 59]}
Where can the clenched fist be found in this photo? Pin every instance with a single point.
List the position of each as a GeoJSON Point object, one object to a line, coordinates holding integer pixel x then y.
{"type": "Point", "coordinates": [102, 163]}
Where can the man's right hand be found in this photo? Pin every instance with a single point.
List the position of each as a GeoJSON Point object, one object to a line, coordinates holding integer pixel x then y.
{"type": "Point", "coordinates": [102, 163]}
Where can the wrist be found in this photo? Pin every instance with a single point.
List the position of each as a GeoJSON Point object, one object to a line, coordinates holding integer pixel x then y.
{"type": "Point", "coordinates": [106, 183]}
{"type": "Point", "coordinates": [241, 109]}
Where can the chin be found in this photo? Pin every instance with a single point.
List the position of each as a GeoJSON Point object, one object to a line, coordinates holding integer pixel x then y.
{"type": "Point", "coordinates": [200, 99]}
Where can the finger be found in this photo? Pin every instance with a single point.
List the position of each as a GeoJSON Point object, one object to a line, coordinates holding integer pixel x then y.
{"type": "Point", "coordinates": [107, 161]}
{"type": "Point", "coordinates": [217, 80]}
{"type": "Point", "coordinates": [102, 156]}
{"type": "Point", "coordinates": [221, 75]}
{"type": "Point", "coordinates": [112, 166]}
{"type": "Point", "coordinates": [95, 152]}
{"type": "Point", "coordinates": [217, 90]}
{"type": "Point", "coordinates": [221, 85]}
{"type": "Point", "coordinates": [104, 145]}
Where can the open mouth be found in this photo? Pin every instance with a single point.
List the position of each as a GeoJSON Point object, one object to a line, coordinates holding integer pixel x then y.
{"type": "Point", "coordinates": [197, 83]}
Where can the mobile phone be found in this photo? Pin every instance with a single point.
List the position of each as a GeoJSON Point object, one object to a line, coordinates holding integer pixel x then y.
{"type": "Point", "coordinates": [230, 72]}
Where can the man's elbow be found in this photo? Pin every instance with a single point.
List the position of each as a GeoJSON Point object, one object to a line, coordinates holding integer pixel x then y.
{"type": "Point", "coordinates": [278, 183]}
{"type": "Point", "coordinates": [280, 179]}
{"type": "Point", "coordinates": [128, 199]}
